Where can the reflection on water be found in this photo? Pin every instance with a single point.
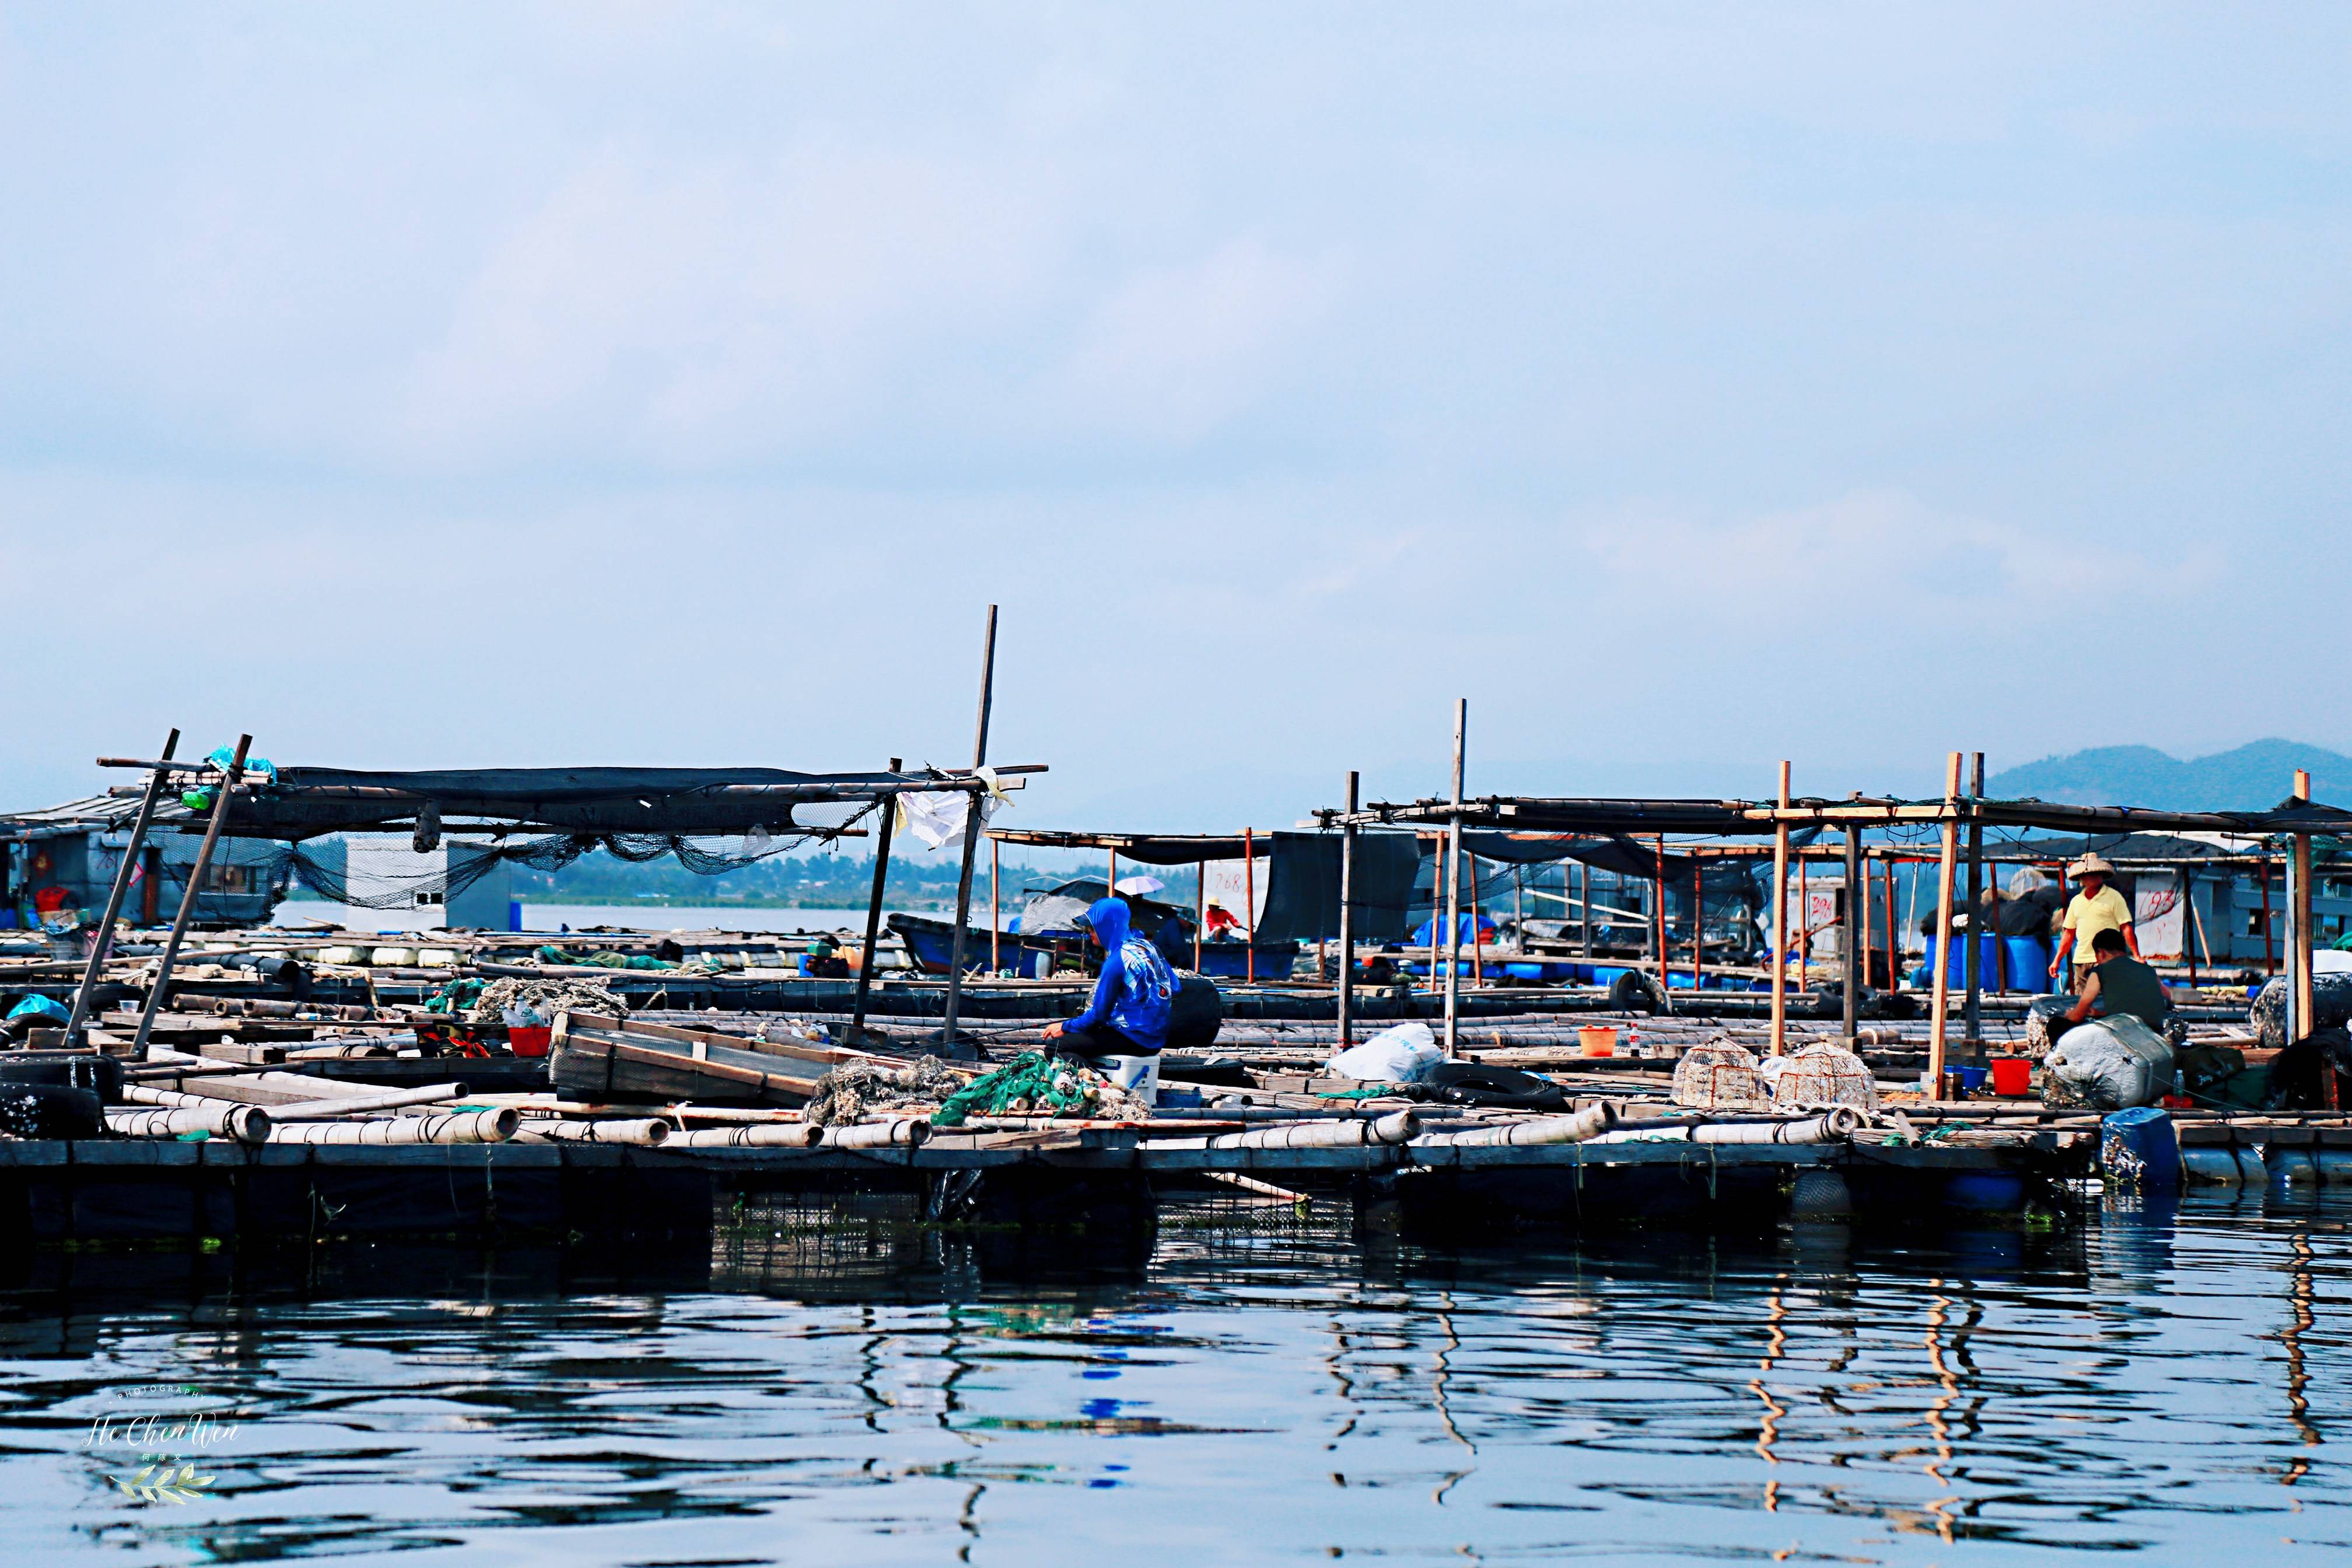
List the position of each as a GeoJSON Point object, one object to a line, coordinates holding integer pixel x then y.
{"type": "Point", "coordinates": [2174, 1385]}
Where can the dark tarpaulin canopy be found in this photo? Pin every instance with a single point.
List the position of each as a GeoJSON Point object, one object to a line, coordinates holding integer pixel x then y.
{"type": "Point", "coordinates": [1617, 852]}
{"type": "Point", "coordinates": [1145, 849]}
{"type": "Point", "coordinates": [2160, 849]}
{"type": "Point", "coordinates": [303, 801]}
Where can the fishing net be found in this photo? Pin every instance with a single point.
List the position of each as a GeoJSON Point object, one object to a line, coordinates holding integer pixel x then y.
{"type": "Point", "coordinates": [853, 1092]}
{"type": "Point", "coordinates": [1036, 1084]}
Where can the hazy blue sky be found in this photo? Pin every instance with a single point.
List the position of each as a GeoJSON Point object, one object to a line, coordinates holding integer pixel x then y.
{"type": "Point", "coordinates": [1690, 385]}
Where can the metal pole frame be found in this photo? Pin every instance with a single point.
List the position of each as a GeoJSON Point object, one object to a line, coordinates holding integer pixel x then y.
{"type": "Point", "coordinates": [1780, 925]}
{"type": "Point", "coordinates": [1347, 999]}
{"type": "Point", "coordinates": [1454, 886]}
{"type": "Point", "coordinates": [1947, 865]}
{"type": "Point", "coordinates": [230, 780]}
{"type": "Point", "coordinates": [873, 908]}
{"type": "Point", "coordinates": [122, 874]}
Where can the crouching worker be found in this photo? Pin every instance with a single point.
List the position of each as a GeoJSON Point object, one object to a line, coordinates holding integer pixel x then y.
{"type": "Point", "coordinates": [1129, 1015]}
{"type": "Point", "coordinates": [2118, 983]}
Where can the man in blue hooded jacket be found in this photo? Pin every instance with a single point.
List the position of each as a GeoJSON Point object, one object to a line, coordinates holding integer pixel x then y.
{"type": "Point", "coordinates": [1128, 1014]}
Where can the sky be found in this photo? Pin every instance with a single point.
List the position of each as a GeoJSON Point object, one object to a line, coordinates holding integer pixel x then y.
{"type": "Point", "coordinates": [1688, 387]}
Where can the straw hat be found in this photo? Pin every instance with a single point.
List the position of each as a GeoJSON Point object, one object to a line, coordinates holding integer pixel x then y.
{"type": "Point", "coordinates": [2091, 866]}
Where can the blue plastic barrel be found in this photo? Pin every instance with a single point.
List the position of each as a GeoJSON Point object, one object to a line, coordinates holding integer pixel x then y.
{"type": "Point", "coordinates": [2138, 1148]}
{"type": "Point", "coordinates": [1987, 958]}
{"type": "Point", "coordinates": [2029, 962]}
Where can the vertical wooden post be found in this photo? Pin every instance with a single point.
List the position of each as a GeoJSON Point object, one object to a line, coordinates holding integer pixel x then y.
{"type": "Point", "coordinates": [1972, 1010]}
{"type": "Point", "coordinates": [873, 908]}
{"type": "Point", "coordinates": [1804, 920]}
{"type": "Point", "coordinates": [1781, 922]}
{"type": "Point", "coordinates": [2270, 958]}
{"type": "Point", "coordinates": [1347, 919]}
{"type": "Point", "coordinates": [1658, 904]}
{"type": "Point", "coordinates": [971, 837]}
{"type": "Point", "coordinates": [1699, 923]}
{"type": "Point", "coordinates": [2300, 915]}
{"type": "Point", "coordinates": [1477, 944]}
{"type": "Point", "coordinates": [1869, 886]}
{"type": "Point", "coordinates": [1857, 893]}
{"type": "Point", "coordinates": [1200, 909]}
{"type": "Point", "coordinates": [2191, 926]}
{"type": "Point", "coordinates": [1947, 867]}
{"type": "Point", "coordinates": [1437, 875]}
{"type": "Point", "coordinates": [1894, 947]}
{"type": "Point", "coordinates": [131, 852]}
{"type": "Point", "coordinates": [1584, 905]}
{"type": "Point", "coordinates": [1249, 902]}
{"type": "Point", "coordinates": [995, 908]}
{"type": "Point", "coordinates": [231, 781]}
{"type": "Point", "coordinates": [1454, 886]}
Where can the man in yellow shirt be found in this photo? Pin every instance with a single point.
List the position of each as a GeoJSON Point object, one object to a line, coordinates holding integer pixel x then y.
{"type": "Point", "coordinates": [2097, 907]}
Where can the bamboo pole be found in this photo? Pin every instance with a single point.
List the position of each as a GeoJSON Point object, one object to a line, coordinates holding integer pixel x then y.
{"type": "Point", "coordinates": [649, 1132]}
{"type": "Point", "coordinates": [1200, 909]}
{"type": "Point", "coordinates": [1946, 867]}
{"type": "Point", "coordinates": [1584, 905]}
{"type": "Point", "coordinates": [221, 1119]}
{"type": "Point", "coordinates": [972, 814]}
{"type": "Point", "coordinates": [457, 1127]}
{"type": "Point", "coordinates": [123, 873]}
{"type": "Point", "coordinates": [1857, 893]}
{"type": "Point", "coordinates": [995, 908]}
{"type": "Point", "coordinates": [1249, 903]}
{"type": "Point", "coordinates": [874, 905]}
{"type": "Point", "coordinates": [1347, 999]}
{"type": "Point", "coordinates": [1972, 1010]}
{"type": "Point", "coordinates": [1454, 886]}
{"type": "Point", "coordinates": [1894, 947]}
{"type": "Point", "coordinates": [2301, 917]}
{"type": "Point", "coordinates": [1658, 904]}
{"type": "Point", "coordinates": [1780, 925]}
{"type": "Point", "coordinates": [230, 780]}
{"type": "Point", "coordinates": [1698, 924]}
{"type": "Point", "coordinates": [1477, 930]}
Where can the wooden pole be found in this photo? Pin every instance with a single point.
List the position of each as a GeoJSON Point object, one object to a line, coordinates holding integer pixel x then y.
{"type": "Point", "coordinates": [1658, 904]}
{"type": "Point", "coordinates": [1454, 886]}
{"type": "Point", "coordinates": [1857, 892]}
{"type": "Point", "coordinates": [1893, 948]}
{"type": "Point", "coordinates": [2270, 958]}
{"type": "Point", "coordinates": [122, 874]}
{"type": "Point", "coordinates": [2301, 916]}
{"type": "Point", "coordinates": [1804, 920]}
{"type": "Point", "coordinates": [1584, 905]}
{"type": "Point", "coordinates": [230, 780]}
{"type": "Point", "coordinates": [1249, 902]}
{"type": "Point", "coordinates": [1348, 920]}
{"type": "Point", "coordinates": [1869, 885]}
{"type": "Point", "coordinates": [995, 908]}
{"type": "Point", "coordinates": [1436, 908]}
{"type": "Point", "coordinates": [1780, 925]}
{"type": "Point", "coordinates": [1477, 942]}
{"type": "Point", "coordinates": [1947, 867]}
{"type": "Point", "coordinates": [1972, 1011]}
{"type": "Point", "coordinates": [1110, 888]}
{"type": "Point", "coordinates": [972, 814]}
{"type": "Point", "coordinates": [874, 906]}
{"type": "Point", "coordinates": [1699, 923]}
{"type": "Point", "coordinates": [1200, 909]}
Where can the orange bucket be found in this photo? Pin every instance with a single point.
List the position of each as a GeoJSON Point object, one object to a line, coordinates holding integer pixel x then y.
{"type": "Point", "coordinates": [1598, 1040]}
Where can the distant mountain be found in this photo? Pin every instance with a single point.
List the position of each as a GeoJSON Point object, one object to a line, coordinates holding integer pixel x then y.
{"type": "Point", "coordinates": [2252, 778]}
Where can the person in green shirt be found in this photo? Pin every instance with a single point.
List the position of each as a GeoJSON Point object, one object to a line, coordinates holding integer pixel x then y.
{"type": "Point", "coordinates": [2120, 983]}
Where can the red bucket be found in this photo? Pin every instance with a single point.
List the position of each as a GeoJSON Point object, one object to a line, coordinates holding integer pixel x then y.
{"type": "Point", "coordinates": [527, 1041]}
{"type": "Point", "coordinates": [2012, 1075]}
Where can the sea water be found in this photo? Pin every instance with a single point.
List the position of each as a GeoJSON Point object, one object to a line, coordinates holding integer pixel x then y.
{"type": "Point", "coordinates": [1248, 1385]}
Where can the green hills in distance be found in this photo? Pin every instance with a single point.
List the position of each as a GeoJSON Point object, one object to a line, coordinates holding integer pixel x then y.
{"type": "Point", "coordinates": [2252, 777]}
